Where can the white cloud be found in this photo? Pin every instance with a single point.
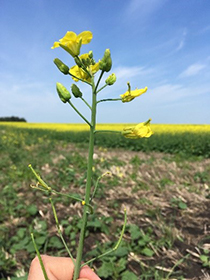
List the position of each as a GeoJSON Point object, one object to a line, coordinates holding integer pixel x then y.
{"type": "Point", "coordinates": [147, 7]}
{"type": "Point", "coordinates": [170, 93]}
{"type": "Point", "coordinates": [182, 40]}
{"type": "Point", "coordinates": [123, 72]}
{"type": "Point", "coordinates": [192, 70]}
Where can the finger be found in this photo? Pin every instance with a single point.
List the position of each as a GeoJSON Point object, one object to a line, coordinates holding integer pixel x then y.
{"type": "Point", "coordinates": [56, 268]}
{"type": "Point", "coordinates": [87, 272]}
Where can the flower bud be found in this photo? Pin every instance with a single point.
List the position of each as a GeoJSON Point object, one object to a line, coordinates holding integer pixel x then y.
{"type": "Point", "coordinates": [111, 79]}
{"type": "Point", "coordinates": [90, 54]}
{"type": "Point", "coordinates": [78, 61]}
{"type": "Point", "coordinates": [106, 63]}
{"type": "Point", "coordinates": [76, 91]}
{"type": "Point", "coordinates": [63, 93]}
{"type": "Point", "coordinates": [61, 66]}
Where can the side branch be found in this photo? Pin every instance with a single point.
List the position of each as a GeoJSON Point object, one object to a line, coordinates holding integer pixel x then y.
{"type": "Point", "coordinates": [109, 99]}
{"type": "Point", "coordinates": [115, 247]}
{"type": "Point", "coordinates": [78, 112]}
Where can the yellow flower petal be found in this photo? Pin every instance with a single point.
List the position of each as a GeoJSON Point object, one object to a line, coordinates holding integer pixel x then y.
{"type": "Point", "coordinates": [131, 94]}
{"type": "Point", "coordinates": [69, 36]}
{"type": "Point", "coordinates": [55, 45]}
{"type": "Point", "coordinates": [72, 42]}
{"type": "Point", "coordinates": [138, 131]}
{"type": "Point", "coordinates": [86, 37]}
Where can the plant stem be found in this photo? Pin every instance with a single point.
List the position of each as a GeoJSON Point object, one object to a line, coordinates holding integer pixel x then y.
{"type": "Point", "coordinates": [39, 257]}
{"type": "Point", "coordinates": [75, 109]}
{"type": "Point", "coordinates": [88, 184]}
{"type": "Point", "coordinates": [59, 230]}
{"type": "Point", "coordinates": [102, 88]}
{"type": "Point", "coordinates": [108, 131]}
{"type": "Point", "coordinates": [98, 82]}
{"type": "Point", "coordinates": [109, 99]}
{"type": "Point", "coordinates": [86, 102]}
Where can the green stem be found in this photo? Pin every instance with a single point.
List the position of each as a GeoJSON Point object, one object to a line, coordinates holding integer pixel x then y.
{"type": "Point", "coordinates": [109, 99]}
{"type": "Point", "coordinates": [116, 245]}
{"type": "Point", "coordinates": [59, 231]}
{"type": "Point", "coordinates": [86, 102]}
{"type": "Point", "coordinates": [99, 79]}
{"type": "Point", "coordinates": [78, 112]}
{"type": "Point", "coordinates": [101, 88]}
{"type": "Point", "coordinates": [88, 184]}
{"type": "Point", "coordinates": [110, 131]}
{"type": "Point", "coordinates": [63, 194]}
{"type": "Point", "coordinates": [39, 257]}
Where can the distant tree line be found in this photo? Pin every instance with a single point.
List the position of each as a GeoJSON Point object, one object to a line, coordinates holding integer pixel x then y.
{"type": "Point", "coordinates": [12, 119]}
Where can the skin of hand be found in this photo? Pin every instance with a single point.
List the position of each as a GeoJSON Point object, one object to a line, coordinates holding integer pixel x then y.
{"type": "Point", "coordinates": [58, 268]}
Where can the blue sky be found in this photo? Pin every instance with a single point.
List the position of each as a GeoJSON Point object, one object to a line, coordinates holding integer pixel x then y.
{"type": "Point", "coordinates": [161, 44]}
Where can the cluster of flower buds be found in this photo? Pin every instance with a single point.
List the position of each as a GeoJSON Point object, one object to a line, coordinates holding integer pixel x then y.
{"type": "Point", "coordinates": [106, 63]}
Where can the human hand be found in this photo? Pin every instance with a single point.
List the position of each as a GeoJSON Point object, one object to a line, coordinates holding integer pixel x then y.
{"type": "Point", "coordinates": [58, 268]}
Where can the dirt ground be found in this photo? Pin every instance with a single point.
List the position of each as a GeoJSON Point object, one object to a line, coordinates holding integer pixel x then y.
{"type": "Point", "coordinates": [165, 192]}
{"type": "Point", "coordinates": [160, 190]}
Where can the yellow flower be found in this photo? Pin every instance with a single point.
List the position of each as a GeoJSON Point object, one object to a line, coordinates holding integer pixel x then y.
{"type": "Point", "coordinates": [131, 94]}
{"type": "Point", "coordinates": [138, 131]}
{"type": "Point", "coordinates": [80, 73]}
{"type": "Point", "coordinates": [72, 42]}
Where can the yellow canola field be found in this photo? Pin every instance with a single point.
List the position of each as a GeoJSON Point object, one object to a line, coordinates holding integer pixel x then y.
{"type": "Point", "coordinates": [157, 128]}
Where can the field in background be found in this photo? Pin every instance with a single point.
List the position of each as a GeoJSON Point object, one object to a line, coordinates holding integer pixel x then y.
{"type": "Point", "coordinates": [157, 128]}
{"type": "Point", "coordinates": [188, 140]}
{"type": "Point", "coordinates": [163, 181]}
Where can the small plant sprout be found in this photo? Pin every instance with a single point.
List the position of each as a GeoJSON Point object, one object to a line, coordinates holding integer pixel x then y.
{"type": "Point", "coordinates": [84, 71]}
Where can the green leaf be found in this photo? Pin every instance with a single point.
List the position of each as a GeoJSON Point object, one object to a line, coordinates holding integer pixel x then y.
{"type": "Point", "coordinates": [121, 252]}
{"type": "Point", "coordinates": [121, 265]}
{"type": "Point", "coordinates": [55, 242]}
{"type": "Point", "coordinates": [182, 205]}
{"type": "Point", "coordinates": [32, 209]}
{"type": "Point", "coordinates": [105, 270]}
{"type": "Point", "coordinates": [21, 233]}
{"type": "Point", "coordinates": [94, 224]}
{"type": "Point", "coordinates": [41, 240]}
{"type": "Point", "coordinates": [128, 275]}
{"type": "Point", "coordinates": [204, 258]}
{"type": "Point", "coordinates": [30, 247]}
{"type": "Point", "coordinates": [147, 252]}
{"type": "Point", "coordinates": [135, 232]}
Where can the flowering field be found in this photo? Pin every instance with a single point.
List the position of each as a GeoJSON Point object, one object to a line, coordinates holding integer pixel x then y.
{"type": "Point", "coordinates": [188, 140]}
{"type": "Point", "coordinates": [157, 128]}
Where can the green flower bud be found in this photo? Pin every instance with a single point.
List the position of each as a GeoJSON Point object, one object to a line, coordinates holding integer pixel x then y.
{"type": "Point", "coordinates": [86, 61]}
{"type": "Point", "coordinates": [90, 54]}
{"type": "Point", "coordinates": [111, 79]}
{"type": "Point", "coordinates": [76, 91]}
{"type": "Point", "coordinates": [106, 63]}
{"type": "Point", "coordinates": [61, 66]}
{"type": "Point", "coordinates": [63, 93]}
{"type": "Point", "coordinates": [78, 61]}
